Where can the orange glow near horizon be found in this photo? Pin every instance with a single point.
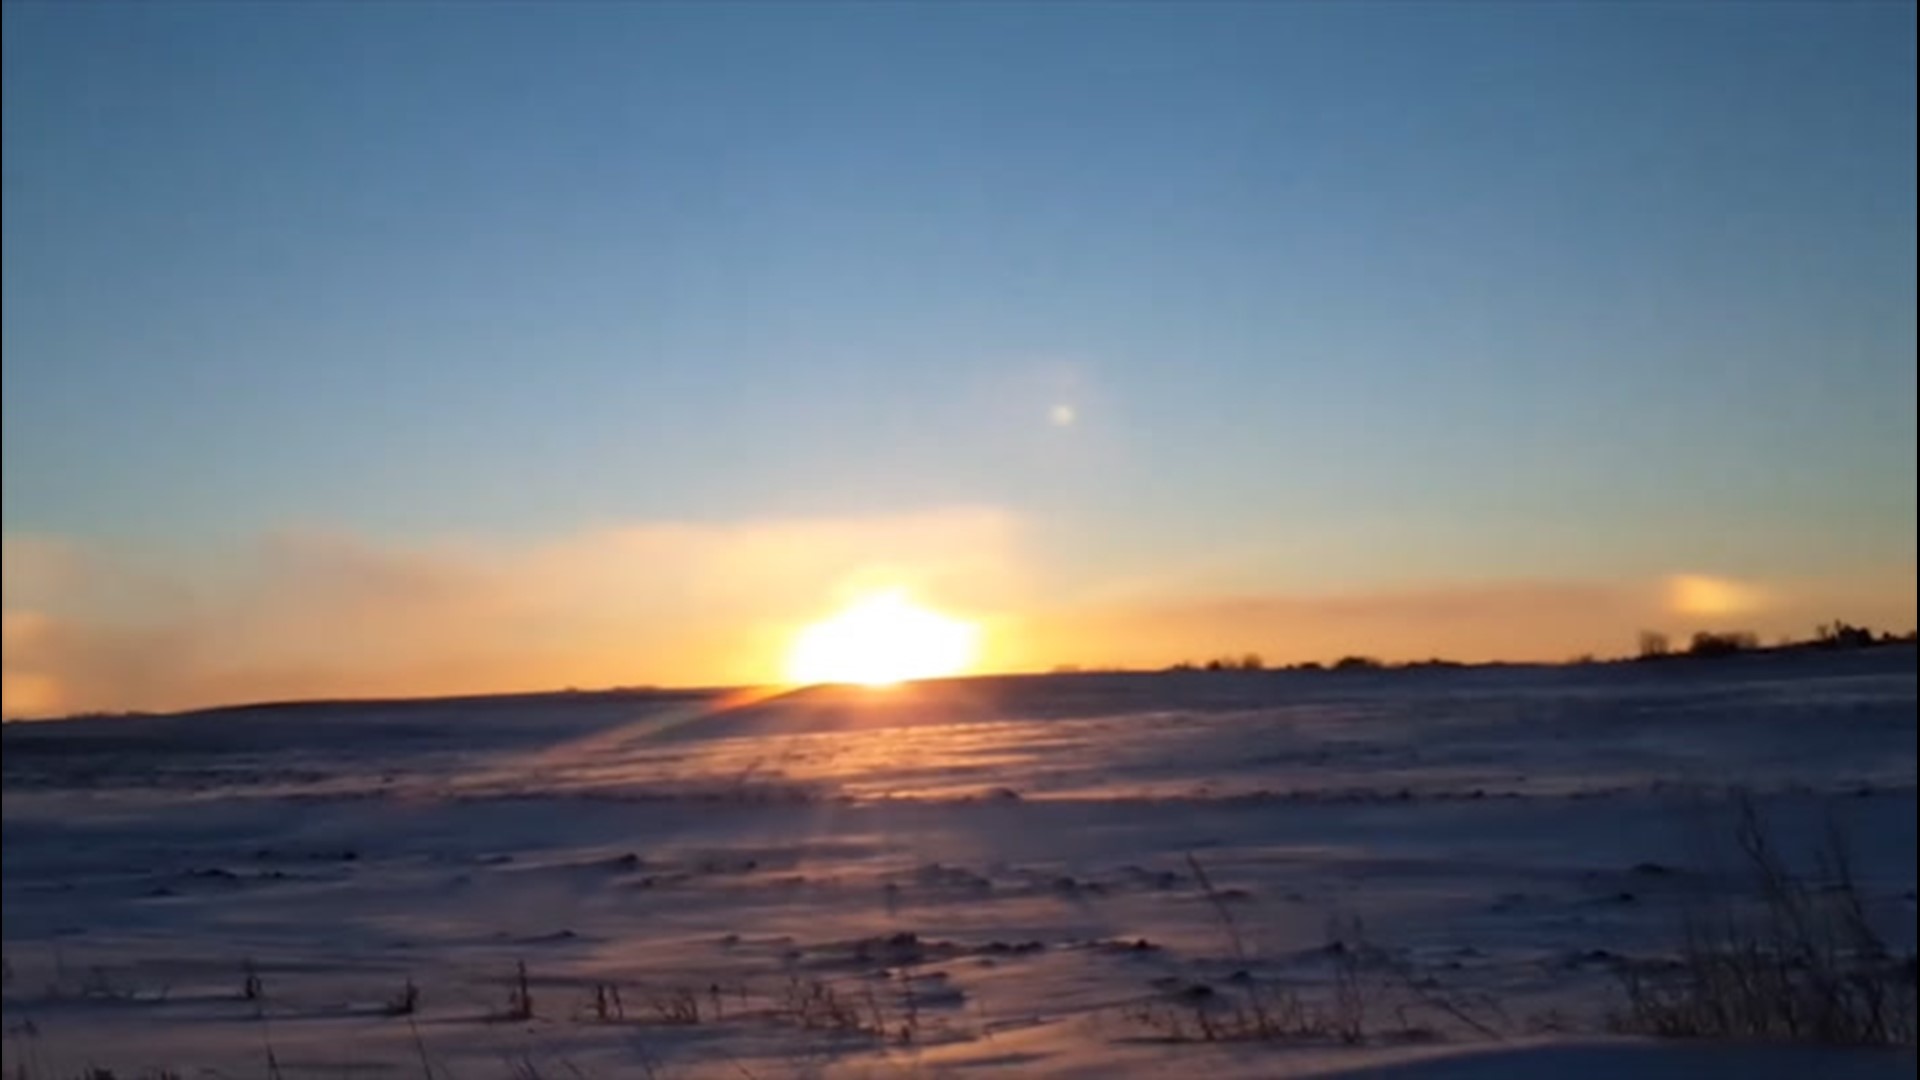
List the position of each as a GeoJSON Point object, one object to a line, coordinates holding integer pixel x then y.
{"type": "Point", "coordinates": [1709, 596]}
{"type": "Point", "coordinates": [881, 640]}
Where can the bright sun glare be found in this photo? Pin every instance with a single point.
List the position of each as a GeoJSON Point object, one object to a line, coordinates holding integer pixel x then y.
{"type": "Point", "coordinates": [881, 640]}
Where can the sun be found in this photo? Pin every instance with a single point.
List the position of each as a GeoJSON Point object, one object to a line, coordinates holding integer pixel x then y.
{"type": "Point", "coordinates": [880, 640]}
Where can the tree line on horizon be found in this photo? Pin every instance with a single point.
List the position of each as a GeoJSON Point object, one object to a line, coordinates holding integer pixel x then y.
{"type": "Point", "coordinates": [1252, 662]}
{"type": "Point", "coordinates": [1837, 634]}
{"type": "Point", "coordinates": [1653, 645]}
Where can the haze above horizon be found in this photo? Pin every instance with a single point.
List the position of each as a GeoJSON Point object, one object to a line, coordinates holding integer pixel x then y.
{"type": "Point", "coordinates": [419, 349]}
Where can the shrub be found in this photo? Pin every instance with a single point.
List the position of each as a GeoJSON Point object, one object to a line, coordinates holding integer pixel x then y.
{"type": "Point", "coordinates": [1803, 964]}
{"type": "Point", "coordinates": [1708, 643]}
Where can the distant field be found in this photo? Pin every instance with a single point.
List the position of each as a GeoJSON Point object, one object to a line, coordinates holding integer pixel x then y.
{"type": "Point", "coordinates": [1445, 871]}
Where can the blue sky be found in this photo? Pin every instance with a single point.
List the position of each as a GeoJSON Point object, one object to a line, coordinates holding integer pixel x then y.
{"type": "Point", "coordinates": [1342, 296]}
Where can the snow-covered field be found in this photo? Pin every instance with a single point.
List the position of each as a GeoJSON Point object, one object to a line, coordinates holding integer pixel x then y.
{"type": "Point", "coordinates": [1432, 873]}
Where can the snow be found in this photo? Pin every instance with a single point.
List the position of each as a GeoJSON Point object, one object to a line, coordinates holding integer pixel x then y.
{"type": "Point", "coordinates": [997, 874]}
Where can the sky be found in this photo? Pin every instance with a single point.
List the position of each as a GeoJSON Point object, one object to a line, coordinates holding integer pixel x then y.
{"type": "Point", "coordinates": [422, 348]}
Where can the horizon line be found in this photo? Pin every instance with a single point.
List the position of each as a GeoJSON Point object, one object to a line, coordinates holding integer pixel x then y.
{"type": "Point", "coordinates": [1345, 666]}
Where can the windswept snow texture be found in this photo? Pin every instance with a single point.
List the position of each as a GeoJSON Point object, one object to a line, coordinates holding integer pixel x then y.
{"type": "Point", "coordinates": [1423, 873]}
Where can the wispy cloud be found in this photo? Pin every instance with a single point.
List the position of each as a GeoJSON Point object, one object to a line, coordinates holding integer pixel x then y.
{"type": "Point", "coordinates": [306, 613]}
{"type": "Point", "coordinates": [1470, 621]}
{"type": "Point", "coordinates": [1521, 620]}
